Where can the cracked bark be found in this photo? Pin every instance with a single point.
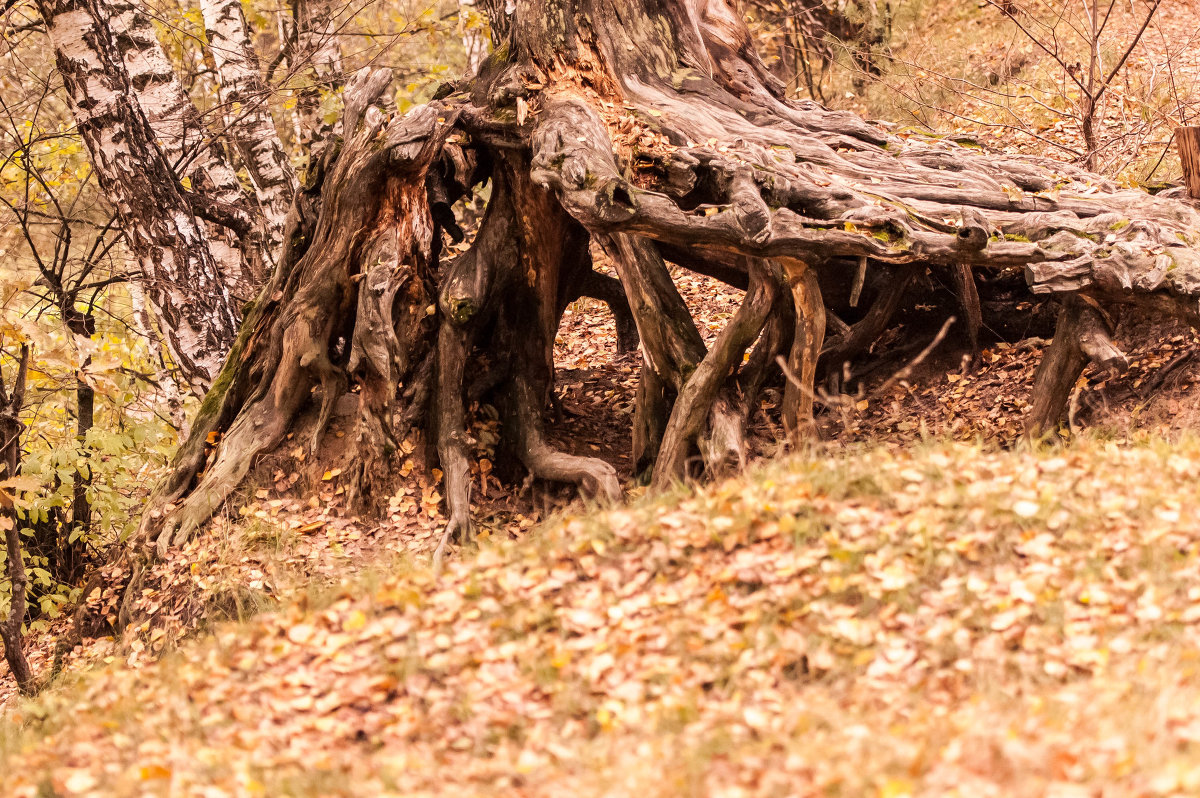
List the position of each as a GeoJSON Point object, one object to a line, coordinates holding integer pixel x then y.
{"type": "Point", "coordinates": [12, 401]}
{"type": "Point", "coordinates": [317, 61]}
{"type": "Point", "coordinates": [248, 122]}
{"type": "Point", "coordinates": [188, 146]}
{"type": "Point", "coordinates": [183, 278]}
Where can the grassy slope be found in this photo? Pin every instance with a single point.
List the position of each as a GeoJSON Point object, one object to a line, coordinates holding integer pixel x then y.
{"type": "Point", "coordinates": [870, 622]}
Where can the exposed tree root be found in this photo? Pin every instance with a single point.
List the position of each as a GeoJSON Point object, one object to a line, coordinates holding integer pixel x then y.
{"type": "Point", "coordinates": [608, 290]}
{"type": "Point", "coordinates": [856, 340]}
{"type": "Point", "coordinates": [597, 478]}
{"type": "Point", "coordinates": [373, 202]}
{"type": "Point", "coordinates": [805, 351]}
{"type": "Point", "coordinates": [968, 299]}
{"type": "Point", "coordinates": [1082, 337]}
{"type": "Point", "coordinates": [707, 391]}
{"type": "Point", "coordinates": [650, 128]}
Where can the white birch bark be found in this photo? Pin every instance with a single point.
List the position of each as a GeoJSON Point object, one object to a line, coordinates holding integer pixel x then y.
{"type": "Point", "coordinates": [186, 143]}
{"type": "Point", "coordinates": [318, 60]}
{"type": "Point", "coordinates": [166, 380]}
{"type": "Point", "coordinates": [191, 299]}
{"type": "Point", "coordinates": [471, 30]}
{"type": "Point", "coordinates": [248, 122]}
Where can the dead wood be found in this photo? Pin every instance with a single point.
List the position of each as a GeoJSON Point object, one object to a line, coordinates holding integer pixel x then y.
{"type": "Point", "coordinates": [651, 128]}
{"type": "Point", "coordinates": [1082, 336]}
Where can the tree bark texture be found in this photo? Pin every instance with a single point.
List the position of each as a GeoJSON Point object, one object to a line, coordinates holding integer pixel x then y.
{"type": "Point", "coordinates": [235, 241]}
{"type": "Point", "coordinates": [183, 278]}
{"type": "Point", "coordinates": [248, 123]}
{"type": "Point", "coordinates": [1189, 155]}
{"type": "Point", "coordinates": [12, 400]}
{"type": "Point", "coordinates": [317, 63]}
{"type": "Point", "coordinates": [651, 128]}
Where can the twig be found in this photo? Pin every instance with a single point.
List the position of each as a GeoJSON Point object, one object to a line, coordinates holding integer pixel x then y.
{"type": "Point", "coordinates": [1160, 377]}
{"type": "Point", "coordinates": [905, 372]}
{"type": "Point", "coordinates": [1161, 158]}
{"type": "Point", "coordinates": [844, 402]}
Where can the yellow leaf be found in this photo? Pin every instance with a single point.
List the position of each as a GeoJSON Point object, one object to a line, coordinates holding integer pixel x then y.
{"type": "Point", "coordinates": [153, 772]}
{"type": "Point", "coordinates": [896, 788]}
{"type": "Point", "coordinates": [21, 483]}
{"type": "Point", "coordinates": [355, 621]}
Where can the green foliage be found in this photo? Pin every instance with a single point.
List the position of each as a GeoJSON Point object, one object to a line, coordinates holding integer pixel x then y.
{"type": "Point", "coordinates": [63, 265]}
{"type": "Point", "coordinates": [118, 458]}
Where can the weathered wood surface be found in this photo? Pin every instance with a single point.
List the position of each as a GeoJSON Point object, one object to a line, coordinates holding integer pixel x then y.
{"type": "Point", "coordinates": [650, 127]}
{"type": "Point", "coordinates": [1188, 139]}
{"type": "Point", "coordinates": [1081, 337]}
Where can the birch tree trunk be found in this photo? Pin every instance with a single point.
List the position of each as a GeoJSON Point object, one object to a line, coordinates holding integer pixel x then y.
{"type": "Point", "coordinates": [189, 292]}
{"type": "Point", "coordinates": [248, 122]}
{"type": "Point", "coordinates": [190, 151]}
{"type": "Point", "coordinates": [318, 59]}
{"type": "Point", "coordinates": [471, 31]}
{"type": "Point", "coordinates": [165, 379]}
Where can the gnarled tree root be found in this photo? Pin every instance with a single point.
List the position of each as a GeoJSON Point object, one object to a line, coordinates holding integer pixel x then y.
{"type": "Point", "coordinates": [1081, 337]}
{"type": "Point", "coordinates": [805, 352]}
{"type": "Point", "coordinates": [587, 136]}
{"type": "Point", "coordinates": [708, 388]}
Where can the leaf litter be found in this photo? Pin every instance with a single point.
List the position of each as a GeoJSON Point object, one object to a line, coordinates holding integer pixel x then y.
{"type": "Point", "coordinates": [894, 612]}
{"type": "Point", "coordinates": [937, 620]}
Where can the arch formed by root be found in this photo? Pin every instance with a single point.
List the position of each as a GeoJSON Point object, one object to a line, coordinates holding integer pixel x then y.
{"type": "Point", "coordinates": [650, 128]}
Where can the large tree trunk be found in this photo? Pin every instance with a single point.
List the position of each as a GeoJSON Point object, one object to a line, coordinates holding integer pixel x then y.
{"type": "Point", "coordinates": [651, 127]}
{"type": "Point", "coordinates": [242, 233]}
{"type": "Point", "coordinates": [317, 62]}
{"type": "Point", "coordinates": [236, 243]}
{"type": "Point", "coordinates": [191, 297]}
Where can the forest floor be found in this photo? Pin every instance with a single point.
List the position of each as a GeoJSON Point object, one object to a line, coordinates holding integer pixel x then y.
{"type": "Point", "coordinates": [959, 69]}
{"type": "Point", "coordinates": [915, 606]}
{"type": "Point", "coordinates": [940, 620]}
